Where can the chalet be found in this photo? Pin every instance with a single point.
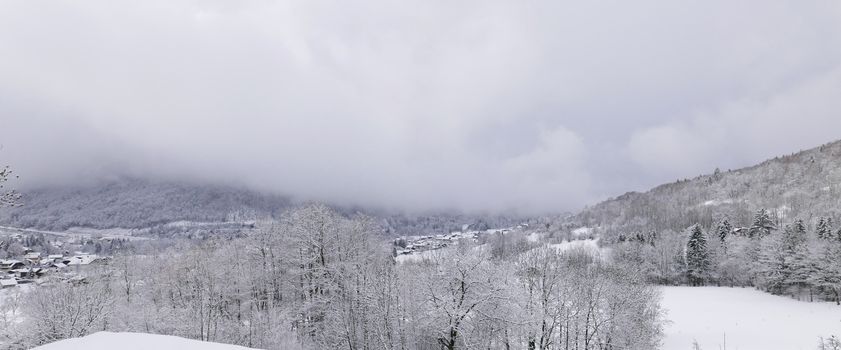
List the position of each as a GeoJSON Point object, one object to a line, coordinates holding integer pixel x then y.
{"type": "Point", "coordinates": [56, 265]}
{"type": "Point", "coordinates": [33, 257]}
{"type": "Point", "coordinates": [10, 264]}
{"type": "Point", "coordinates": [81, 260]}
{"type": "Point", "coordinates": [28, 273]}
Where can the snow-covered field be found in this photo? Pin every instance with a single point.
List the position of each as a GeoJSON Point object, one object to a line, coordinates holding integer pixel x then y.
{"type": "Point", "coordinates": [134, 341]}
{"type": "Point", "coordinates": [748, 319]}
{"type": "Point", "coordinates": [418, 256]}
{"type": "Point", "coordinates": [587, 244]}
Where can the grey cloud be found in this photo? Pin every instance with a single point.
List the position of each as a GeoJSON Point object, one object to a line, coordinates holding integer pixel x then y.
{"type": "Point", "coordinates": [476, 105]}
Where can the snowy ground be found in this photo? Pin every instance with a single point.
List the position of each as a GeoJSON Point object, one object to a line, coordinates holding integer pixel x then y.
{"type": "Point", "coordinates": [587, 244]}
{"type": "Point", "coordinates": [750, 319]}
{"type": "Point", "coordinates": [134, 341]}
{"type": "Point", "coordinates": [417, 256]}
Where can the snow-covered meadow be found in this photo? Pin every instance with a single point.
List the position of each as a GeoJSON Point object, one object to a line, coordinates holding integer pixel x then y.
{"type": "Point", "coordinates": [744, 319]}
{"type": "Point", "coordinates": [134, 341]}
{"type": "Point", "coordinates": [585, 244]}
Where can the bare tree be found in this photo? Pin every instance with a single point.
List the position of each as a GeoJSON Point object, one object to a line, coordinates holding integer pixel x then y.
{"type": "Point", "coordinates": [462, 289]}
{"type": "Point", "coordinates": [66, 311]}
{"type": "Point", "coordinates": [8, 198]}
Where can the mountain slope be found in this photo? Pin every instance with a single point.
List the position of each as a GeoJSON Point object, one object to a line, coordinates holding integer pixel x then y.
{"type": "Point", "coordinates": [804, 184]}
{"type": "Point", "coordinates": [137, 203]}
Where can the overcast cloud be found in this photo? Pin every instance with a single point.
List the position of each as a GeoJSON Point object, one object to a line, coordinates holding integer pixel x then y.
{"type": "Point", "coordinates": [475, 105]}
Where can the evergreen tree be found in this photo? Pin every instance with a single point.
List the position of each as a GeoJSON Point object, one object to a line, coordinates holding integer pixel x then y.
{"type": "Point", "coordinates": [823, 231]}
{"type": "Point", "coordinates": [794, 236]}
{"type": "Point", "coordinates": [772, 270]}
{"type": "Point", "coordinates": [827, 274]}
{"type": "Point", "coordinates": [762, 224]}
{"type": "Point", "coordinates": [651, 237]}
{"type": "Point", "coordinates": [785, 259]}
{"type": "Point", "coordinates": [797, 258]}
{"type": "Point", "coordinates": [724, 230]}
{"type": "Point", "coordinates": [697, 257]}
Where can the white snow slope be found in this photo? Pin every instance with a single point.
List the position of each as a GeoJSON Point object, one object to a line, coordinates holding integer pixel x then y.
{"type": "Point", "coordinates": [586, 244]}
{"type": "Point", "coordinates": [750, 319]}
{"type": "Point", "coordinates": [134, 341]}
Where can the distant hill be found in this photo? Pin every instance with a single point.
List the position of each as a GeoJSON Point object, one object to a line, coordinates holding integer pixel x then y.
{"type": "Point", "coordinates": [803, 185]}
{"type": "Point", "coordinates": [138, 203]}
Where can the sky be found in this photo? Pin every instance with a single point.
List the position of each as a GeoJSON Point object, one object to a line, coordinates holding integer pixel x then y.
{"type": "Point", "coordinates": [480, 106]}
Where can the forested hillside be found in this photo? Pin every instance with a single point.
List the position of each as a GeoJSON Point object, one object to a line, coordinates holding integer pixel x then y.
{"type": "Point", "coordinates": [139, 203]}
{"type": "Point", "coordinates": [135, 203]}
{"type": "Point", "coordinates": [803, 185]}
{"type": "Point", "coordinates": [770, 226]}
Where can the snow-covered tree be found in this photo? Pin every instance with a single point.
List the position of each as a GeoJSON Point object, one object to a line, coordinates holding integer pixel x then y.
{"type": "Point", "coordinates": [802, 265]}
{"type": "Point", "coordinates": [794, 236]}
{"type": "Point", "coordinates": [723, 231]}
{"type": "Point", "coordinates": [827, 276]}
{"type": "Point", "coordinates": [831, 343]}
{"type": "Point", "coordinates": [762, 224]}
{"type": "Point", "coordinates": [462, 290]}
{"type": "Point", "coordinates": [823, 229]}
{"type": "Point", "coordinates": [8, 198]}
{"type": "Point", "coordinates": [67, 311]}
{"type": "Point", "coordinates": [697, 257]}
{"type": "Point", "coordinates": [771, 267]}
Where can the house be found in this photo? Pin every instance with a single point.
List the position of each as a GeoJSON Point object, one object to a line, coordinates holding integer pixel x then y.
{"type": "Point", "coordinates": [33, 257]}
{"type": "Point", "coordinates": [28, 273]}
{"type": "Point", "coordinates": [10, 264]}
{"type": "Point", "coordinates": [55, 257]}
{"type": "Point", "coordinates": [81, 260]}
{"type": "Point", "coordinates": [55, 265]}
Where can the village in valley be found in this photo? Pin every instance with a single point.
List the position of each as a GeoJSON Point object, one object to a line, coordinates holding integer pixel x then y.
{"type": "Point", "coordinates": [419, 244]}
{"type": "Point", "coordinates": [27, 258]}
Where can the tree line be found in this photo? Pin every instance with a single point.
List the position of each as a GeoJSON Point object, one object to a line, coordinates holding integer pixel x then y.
{"type": "Point", "coordinates": [800, 258]}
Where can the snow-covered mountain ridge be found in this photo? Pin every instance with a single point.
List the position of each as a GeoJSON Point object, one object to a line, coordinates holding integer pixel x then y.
{"type": "Point", "coordinates": [807, 183]}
